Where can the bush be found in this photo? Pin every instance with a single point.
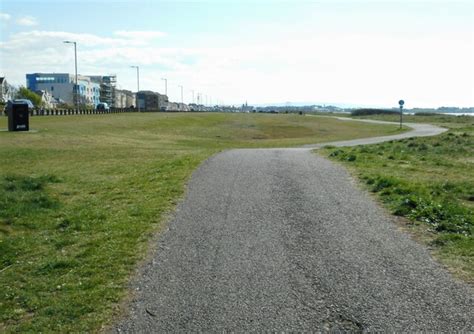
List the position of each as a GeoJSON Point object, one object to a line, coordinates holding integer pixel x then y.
{"type": "Point", "coordinates": [365, 112]}
{"type": "Point", "coordinates": [426, 114]}
{"type": "Point", "coordinates": [417, 203]}
{"type": "Point", "coordinates": [351, 157]}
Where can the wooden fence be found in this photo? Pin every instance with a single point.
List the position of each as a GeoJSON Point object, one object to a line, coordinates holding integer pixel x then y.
{"type": "Point", "coordinates": [62, 112]}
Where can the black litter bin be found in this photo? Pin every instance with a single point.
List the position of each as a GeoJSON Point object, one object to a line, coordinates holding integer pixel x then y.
{"type": "Point", "coordinates": [19, 117]}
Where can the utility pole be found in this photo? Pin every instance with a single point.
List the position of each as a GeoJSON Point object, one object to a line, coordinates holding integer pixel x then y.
{"type": "Point", "coordinates": [76, 87]}
{"type": "Point", "coordinates": [181, 93]}
{"type": "Point", "coordinates": [138, 85]}
{"type": "Point", "coordinates": [166, 85]}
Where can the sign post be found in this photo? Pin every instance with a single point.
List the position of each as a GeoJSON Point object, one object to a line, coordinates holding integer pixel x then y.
{"type": "Point", "coordinates": [401, 103]}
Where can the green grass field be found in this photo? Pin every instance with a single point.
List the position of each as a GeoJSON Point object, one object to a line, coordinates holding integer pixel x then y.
{"type": "Point", "coordinates": [430, 181]}
{"type": "Point", "coordinates": [82, 196]}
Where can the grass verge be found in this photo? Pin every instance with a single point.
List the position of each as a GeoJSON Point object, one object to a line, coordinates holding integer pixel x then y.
{"type": "Point", "coordinates": [430, 181]}
{"type": "Point", "coordinates": [81, 197]}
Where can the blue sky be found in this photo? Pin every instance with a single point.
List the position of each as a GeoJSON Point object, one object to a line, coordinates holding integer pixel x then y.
{"type": "Point", "coordinates": [350, 52]}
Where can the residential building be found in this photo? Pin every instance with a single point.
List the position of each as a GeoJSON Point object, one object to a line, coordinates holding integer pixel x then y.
{"type": "Point", "coordinates": [131, 99]}
{"type": "Point", "coordinates": [5, 90]}
{"type": "Point", "coordinates": [183, 107]}
{"type": "Point", "coordinates": [108, 85]}
{"type": "Point", "coordinates": [48, 100]}
{"type": "Point", "coordinates": [120, 99]}
{"type": "Point", "coordinates": [124, 99]}
{"type": "Point", "coordinates": [175, 106]}
{"type": "Point", "coordinates": [152, 101]}
{"type": "Point", "coordinates": [61, 87]}
{"type": "Point", "coordinates": [172, 106]}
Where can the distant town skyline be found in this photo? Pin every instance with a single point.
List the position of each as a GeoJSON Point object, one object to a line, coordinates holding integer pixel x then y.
{"type": "Point", "coordinates": [361, 53]}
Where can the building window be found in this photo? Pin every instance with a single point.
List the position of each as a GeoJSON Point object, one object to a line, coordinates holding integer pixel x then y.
{"type": "Point", "coordinates": [52, 88]}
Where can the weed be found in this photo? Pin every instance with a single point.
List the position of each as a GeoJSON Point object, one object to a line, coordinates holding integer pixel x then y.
{"type": "Point", "coordinates": [427, 180]}
{"type": "Point", "coordinates": [351, 157]}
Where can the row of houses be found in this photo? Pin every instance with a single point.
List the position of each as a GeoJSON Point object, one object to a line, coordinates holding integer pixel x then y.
{"type": "Point", "coordinates": [90, 89]}
{"type": "Point", "coordinates": [57, 89]}
{"type": "Point", "coordinates": [94, 89]}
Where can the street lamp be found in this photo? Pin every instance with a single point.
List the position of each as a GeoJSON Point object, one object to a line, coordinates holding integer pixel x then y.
{"type": "Point", "coordinates": [166, 85]}
{"type": "Point", "coordinates": [76, 88]}
{"type": "Point", "coordinates": [138, 84]}
{"type": "Point", "coordinates": [181, 93]}
{"type": "Point", "coordinates": [192, 90]}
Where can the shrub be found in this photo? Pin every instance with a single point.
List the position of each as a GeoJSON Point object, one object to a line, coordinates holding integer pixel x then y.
{"type": "Point", "coordinates": [366, 111]}
{"type": "Point", "coordinates": [351, 157]}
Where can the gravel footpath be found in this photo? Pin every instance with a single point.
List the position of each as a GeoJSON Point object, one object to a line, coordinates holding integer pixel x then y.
{"type": "Point", "coordinates": [282, 240]}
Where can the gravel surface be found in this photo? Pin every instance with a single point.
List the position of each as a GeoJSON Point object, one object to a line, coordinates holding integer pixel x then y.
{"type": "Point", "coordinates": [283, 240]}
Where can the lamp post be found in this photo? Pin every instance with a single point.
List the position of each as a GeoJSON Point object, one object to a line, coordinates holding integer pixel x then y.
{"type": "Point", "coordinates": [180, 86]}
{"type": "Point", "coordinates": [166, 85]}
{"type": "Point", "coordinates": [76, 88]}
{"type": "Point", "coordinates": [138, 84]}
{"type": "Point", "coordinates": [192, 90]}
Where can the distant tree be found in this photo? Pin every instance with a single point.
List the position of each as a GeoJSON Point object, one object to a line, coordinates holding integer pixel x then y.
{"type": "Point", "coordinates": [64, 105]}
{"type": "Point", "coordinates": [367, 111]}
{"type": "Point", "coordinates": [25, 93]}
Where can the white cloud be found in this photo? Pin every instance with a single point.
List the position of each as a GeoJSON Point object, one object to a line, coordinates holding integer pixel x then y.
{"type": "Point", "coordinates": [131, 34]}
{"type": "Point", "coordinates": [5, 17]}
{"type": "Point", "coordinates": [27, 21]}
{"type": "Point", "coordinates": [41, 38]}
{"type": "Point", "coordinates": [336, 67]}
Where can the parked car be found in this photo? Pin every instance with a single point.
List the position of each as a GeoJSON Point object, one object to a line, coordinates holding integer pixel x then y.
{"type": "Point", "coordinates": [10, 103]}
{"type": "Point", "coordinates": [102, 106]}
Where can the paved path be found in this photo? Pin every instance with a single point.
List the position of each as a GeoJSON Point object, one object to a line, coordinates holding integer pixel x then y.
{"type": "Point", "coordinates": [282, 240]}
{"type": "Point", "coordinates": [418, 130]}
